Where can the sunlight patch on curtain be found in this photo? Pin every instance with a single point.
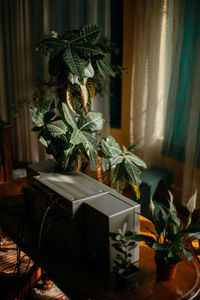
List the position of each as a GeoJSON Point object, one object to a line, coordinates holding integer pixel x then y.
{"type": "Point", "coordinates": [149, 67]}
{"type": "Point", "coordinates": [181, 132]}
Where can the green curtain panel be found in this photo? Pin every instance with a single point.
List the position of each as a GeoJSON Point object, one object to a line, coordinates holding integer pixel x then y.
{"type": "Point", "coordinates": [182, 128]}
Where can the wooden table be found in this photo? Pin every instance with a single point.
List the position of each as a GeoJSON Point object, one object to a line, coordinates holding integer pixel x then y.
{"type": "Point", "coordinates": [80, 281]}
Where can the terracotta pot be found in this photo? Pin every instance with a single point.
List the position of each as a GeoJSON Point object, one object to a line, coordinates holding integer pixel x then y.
{"type": "Point", "coordinates": [165, 272]}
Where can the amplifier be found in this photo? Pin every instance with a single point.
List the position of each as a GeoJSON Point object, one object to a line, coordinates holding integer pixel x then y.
{"type": "Point", "coordinates": [79, 212]}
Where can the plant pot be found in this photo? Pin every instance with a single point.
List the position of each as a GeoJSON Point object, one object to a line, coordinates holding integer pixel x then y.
{"type": "Point", "coordinates": [126, 282]}
{"type": "Point", "coordinates": [165, 272]}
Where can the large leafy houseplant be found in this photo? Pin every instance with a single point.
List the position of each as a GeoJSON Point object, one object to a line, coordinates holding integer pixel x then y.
{"type": "Point", "coordinates": [67, 127]}
{"type": "Point", "coordinates": [170, 236]}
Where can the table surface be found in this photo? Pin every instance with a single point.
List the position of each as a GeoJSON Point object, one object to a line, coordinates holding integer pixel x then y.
{"type": "Point", "coordinates": [79, 281]}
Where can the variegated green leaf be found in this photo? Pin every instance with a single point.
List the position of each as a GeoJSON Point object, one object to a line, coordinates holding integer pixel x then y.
{"type": "Point", "coordinates": [89, 137]}
{"type": "Point", "coordinates": [104, 67]}
{"type": "Point", "coordinates": [89, 71]}
{"type": "Point", "coordinates": [90, 33]}
{"type": "Point", "coordinates": [111, 147]}
{"type": "Point", "coordinates": [68, 115]}
{"type": "Point", "coordinates": [116, 160]}
{"type": "Point", "coordinates": [46, 107]}
{"type": "Point", "coordinates": [115, 173]}
{"type": "Point", "coordinates": [87, 49]}
{"type": "Point", "coordinates": [84, 94]}
{"type": "Point", "coordinates": [93, 121]}
{"type": "Point", "coordinates": [53, 43]}
{"type": "Point", "coordinates": [136, 160]}
{"type": "Point", "coordinates": [57, 128]}
{"type": "Point", "coordinates": [124, 149]}
{"type": "Point", "coordinates": [43, 141]}
{"type": "Point", "coordinates": [133, 171]}
{"type": "Point", "coordinates": [76, 137]}
{"type": "Point", "coordinates": [74, 62]}
{"type": "Point", "coordinates": [92, 153]}
{"type": "Point", "coordinates": [37, 116]}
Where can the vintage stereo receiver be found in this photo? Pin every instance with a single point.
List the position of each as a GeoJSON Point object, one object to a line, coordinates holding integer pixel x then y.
{"type": "Point", "coordinates": [78, 212]}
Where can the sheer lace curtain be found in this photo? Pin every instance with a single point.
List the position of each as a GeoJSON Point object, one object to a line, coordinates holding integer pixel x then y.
{"type": "Point", "coordinates": [155, 35]}
{"type": "Point", "coordinates": [148, 78]}
{"type": "Point", "coordinates": [23, 24]}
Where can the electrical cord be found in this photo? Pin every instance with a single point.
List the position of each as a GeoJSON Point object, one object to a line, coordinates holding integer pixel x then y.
{"type": "Point", "coordinates": [50, 206]}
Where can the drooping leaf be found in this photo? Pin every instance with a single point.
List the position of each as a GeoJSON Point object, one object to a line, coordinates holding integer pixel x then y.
{"type": "Point", "coordinates": [73, 78]}
{"type": "Point", "coordinates": [133, 171]}
{"type": "Point", "coordinates": [92, 154]}
{"type": "Point", "coordinates": [136, 160]}
{"type": "Point", "coordinates": [68, 115]}
{"type": "Point", "coordinates": [104, 67]}
{"type": "Point", "coordinates": [89, 137]}
{"type": "Point", "coordinates": [57, 128]}
{"type": "Point", "coordinates": [76, 137]}
{"type": "Point", "coordinates": [84, 95]}
{"type": "Point", "coordinates": [47, 106]}
{"type": "Point", "coordinates": [94, 121]}
{"type": "Point", "coordinates": [136, 190]}
{"type": "Point", "coordinates": [43, 141]}
{"type": "Point", "coordinates": [75, 64]}
{"type": "Point", "coordinates": [111, 147]}
{"type": "Point", "coordinates": [89, 71]}
{"type": "Point", "coordinates": [91, 88]}
{"type": "Point", "coordinates": [37, 116]}
{"type": "Point", "coordinates": [69, 98]}
{"type": "Point", "coordinates": [116, 160]}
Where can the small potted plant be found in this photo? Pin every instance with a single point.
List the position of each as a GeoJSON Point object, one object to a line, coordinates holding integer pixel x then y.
{"type": "Point", "coordinates": [125, 271]}
{"type": "Point", "coordinates": [170, 236]}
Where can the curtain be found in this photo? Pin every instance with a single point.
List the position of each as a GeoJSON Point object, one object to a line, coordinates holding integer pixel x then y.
{"type": "Point", "coordinates": [23, 24]}
{"type": "Point", "coordinates": [182, 130]}
{"type": "Point", "coordinates": [165, 95]}
{"type": "Point", "coordinates": [147, 101]}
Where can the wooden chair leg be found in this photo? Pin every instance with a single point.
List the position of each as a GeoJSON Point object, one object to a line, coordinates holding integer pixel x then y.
{"type": "Point", "coordinates": [1, 236]}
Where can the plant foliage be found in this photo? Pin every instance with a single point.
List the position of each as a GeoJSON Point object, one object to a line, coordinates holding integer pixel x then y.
{"type": "Point", "coordinates": [66, 135]}
{"type": "Point", "coordinates": [169, 238]}
{"type": "Point", "coordinates": [124, 245]}
{"type": "Point", "coordinates": [124, 165]}
{"type": "Point", "coordinates": [67, 126]}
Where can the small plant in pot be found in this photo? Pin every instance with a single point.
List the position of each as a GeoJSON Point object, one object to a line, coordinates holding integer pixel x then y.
{"type": "Point", "coordinates": [126, 272]}
{"type": "Point", "coordinates": [170, 237]}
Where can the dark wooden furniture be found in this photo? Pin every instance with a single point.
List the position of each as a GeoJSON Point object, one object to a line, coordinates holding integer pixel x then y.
{"type": "Point", "coordinates": [80, 281]}
{"type": "Point", "coordinates": [5, 152]}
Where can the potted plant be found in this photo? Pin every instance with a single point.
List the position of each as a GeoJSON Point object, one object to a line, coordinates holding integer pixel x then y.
{"type": "Point", "coordinates": [126, 272]}
{"type": "Point", "coordinates": [67, 126]}
{"type": "Point", "coordinates": [170, 237]}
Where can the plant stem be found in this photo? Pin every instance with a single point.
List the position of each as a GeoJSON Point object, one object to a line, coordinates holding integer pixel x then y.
{"type": "Point", "coordinates": [84, 101]}
{"type": "Point", "coordinates": [98, 170]}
